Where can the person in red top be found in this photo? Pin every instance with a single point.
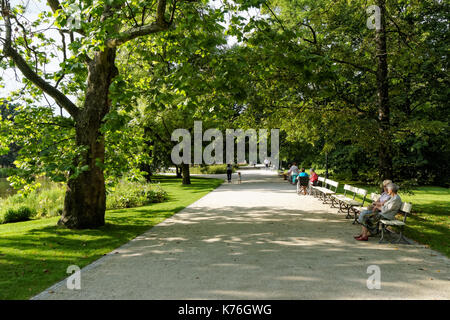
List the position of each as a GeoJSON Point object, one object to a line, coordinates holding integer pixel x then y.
{"type": "Point", "coordinates": [313, 177]}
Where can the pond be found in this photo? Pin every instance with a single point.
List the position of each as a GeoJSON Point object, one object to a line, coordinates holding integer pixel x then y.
{"type": "Point", "coordinates": [5, 189]}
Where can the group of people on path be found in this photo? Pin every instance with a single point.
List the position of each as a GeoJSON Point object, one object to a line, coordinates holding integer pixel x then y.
{"type": "Point", "coordinates": [386, 207]}
{"type": "Point", "coordinates": [295, 173]}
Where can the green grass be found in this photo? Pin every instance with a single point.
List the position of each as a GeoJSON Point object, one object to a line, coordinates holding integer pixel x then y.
{"type": "Point", "coordinates": [35, 254]}
{"type": "Point", "coordinates": [429, 223]}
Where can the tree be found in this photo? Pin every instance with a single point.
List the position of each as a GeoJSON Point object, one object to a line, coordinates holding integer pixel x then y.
{"type": "Point", "coordinates": [10, 149]}
{"type": "Point", "coordinates": [174, 85]}
{"type": "Point", "coordinates": [89, 73]}
{"type": "Point", "coordinates": [331, 81]}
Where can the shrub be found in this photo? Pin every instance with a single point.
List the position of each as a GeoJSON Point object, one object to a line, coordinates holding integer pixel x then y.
{"type": "Point", "coordinates": [6, 172]}
{"type": "Point", "coordinates": [134, 194]}
{"type": "Point", "coordinates": [216, 169]}
{"type": "Point", "coordinates": [20, 214]}
{"type": "Point", "coordinates": [48, 200]}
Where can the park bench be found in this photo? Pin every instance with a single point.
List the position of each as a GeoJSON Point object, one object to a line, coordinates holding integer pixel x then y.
{"type": "Point", "coordinates": [325, 191]}
{"type": "Point", "coordinates": [347, 204]}
{"type": "Point", "coordinates": [355, 206]}
{"type": "Point", "coordinates": [340, 199]}
{"type": "Point", "coordinates": [315, 189]}
{"type": "Point", "coordinates": [404, 210]}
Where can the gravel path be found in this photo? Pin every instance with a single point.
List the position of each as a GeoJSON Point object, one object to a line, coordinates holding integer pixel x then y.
{"type": "Point", "coordinates": [259, 240]}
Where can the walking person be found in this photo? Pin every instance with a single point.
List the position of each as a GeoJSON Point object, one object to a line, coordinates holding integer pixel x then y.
{"type": "Point", "coordinates": [266, 163]}
{"type": "Point", "coordinates": [229, 172]}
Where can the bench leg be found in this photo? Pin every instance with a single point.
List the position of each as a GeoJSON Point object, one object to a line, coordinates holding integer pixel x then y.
{"type": "Point", "coordinates": [355, 221]}
{"type": "Point", "coordinates": [348, 213]}
{"type": "Point", "coordinates": [383, 229]}
{"type": "Point", "coordinates": [342, 207]}
{"type": "Point", "coordinates": [402, 238]}
{"type": "Point", "coordinates": [333, 202]}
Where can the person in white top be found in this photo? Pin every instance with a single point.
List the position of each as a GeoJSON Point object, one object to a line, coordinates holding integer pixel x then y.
{"type": "Point", "coordinates": [293, 172]}
{"type": "Point", "coordinates": [266, 163]}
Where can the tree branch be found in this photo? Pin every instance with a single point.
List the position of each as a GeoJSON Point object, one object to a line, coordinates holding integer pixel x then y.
{"type": "Point", "coordinates": [28, 72]}
{"type": "Point", "coordinates": [160, 24]}
{"type": "Point", "coordinates": [55, 5]}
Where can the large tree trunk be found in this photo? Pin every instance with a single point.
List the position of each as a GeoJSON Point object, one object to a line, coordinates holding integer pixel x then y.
{"type": "Point", "coordinates": [385, 151]}
{"type": "Point", "coordinates": [186, 174]}
{"type": "Point", "coordinates": [85, 201]}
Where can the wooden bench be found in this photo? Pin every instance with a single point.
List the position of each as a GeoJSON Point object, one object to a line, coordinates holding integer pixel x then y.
{"type": "Point", "coordinates": [349, 203]}
{"type": "Point", "coordinates": [341, 198]}
{"type": "Point", "coordinates": [404, 210]}
{"type": "Point", "coordinates": [315, 189]}
{"type": "Point", "coordinates": [325, 191]}
{"type": "Point", "coordinates": [330, 184]}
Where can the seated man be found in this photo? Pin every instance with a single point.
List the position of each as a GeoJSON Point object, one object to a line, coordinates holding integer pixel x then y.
{"type": "Point", "coordinates": [314, 177]}
{"type": "Point", "coordinates": [387, 211]}
{"type": "Point", "coordinates": [293, 172]}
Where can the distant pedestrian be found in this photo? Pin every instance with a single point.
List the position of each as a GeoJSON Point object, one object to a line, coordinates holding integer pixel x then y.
{"type": "Point", "coordinates": [229, 172]}
{"type": "Point", "coordinates": [266, 163]}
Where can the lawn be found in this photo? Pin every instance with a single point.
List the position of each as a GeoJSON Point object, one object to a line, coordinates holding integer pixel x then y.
{"type": "Point", "coordinates": [35, 254]}
{"type": "Point", "coordinates": [429, 223]}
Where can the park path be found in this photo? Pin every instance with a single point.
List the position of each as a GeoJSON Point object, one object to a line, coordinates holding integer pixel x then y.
{"type": "Point", "coordinates": [259, 240]}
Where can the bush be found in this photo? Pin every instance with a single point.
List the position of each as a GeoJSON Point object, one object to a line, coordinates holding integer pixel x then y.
{"type": "Point", "coordinates": [20, 214]}
{"type": "Point", "coordinates": [6, 172]}
{"type": "Point", "coordinates": [216, 169]}
{"type": "Point", "coordinates": [134, 194]}
{"type": "Point", "coordinates": [48, 200]}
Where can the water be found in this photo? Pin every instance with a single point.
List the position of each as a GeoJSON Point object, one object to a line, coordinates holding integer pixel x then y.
{"type": "Point", "coordinates": [5, 189]}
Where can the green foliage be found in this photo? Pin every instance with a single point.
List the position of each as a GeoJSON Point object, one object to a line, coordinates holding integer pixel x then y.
{"type": "Point", "coordinates": [7, 172]}
{"type": "Point", "coordinates": [309, 71]}
{"type": "Point", "coordinates": [47, 200]}
{"type": "Point", "coordinates": [16, 215]}
{"type": "Point", "coordinates": [134, 194]}
{"type": "Point", "coordinates": [212, 169]}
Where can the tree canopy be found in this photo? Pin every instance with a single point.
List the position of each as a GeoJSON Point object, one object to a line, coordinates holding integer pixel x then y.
{"type": "Point", "coordinates": [104, 83]}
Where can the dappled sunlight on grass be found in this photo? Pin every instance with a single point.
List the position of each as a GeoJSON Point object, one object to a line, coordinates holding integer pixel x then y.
{"type": "Point", "coordinates": [35, 254]}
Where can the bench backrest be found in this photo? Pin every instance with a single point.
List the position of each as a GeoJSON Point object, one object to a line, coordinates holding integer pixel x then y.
{"type": "Point", "coordinates": [332, 183]}
{"type": "Point", "coordinates": [321, 181]}
{"type": "Point", "coordinates": [361, 192]}
{"type": "Point", "coordinates": [347, 187]}
{"type": "Point", "coordinates": [405, 209]}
